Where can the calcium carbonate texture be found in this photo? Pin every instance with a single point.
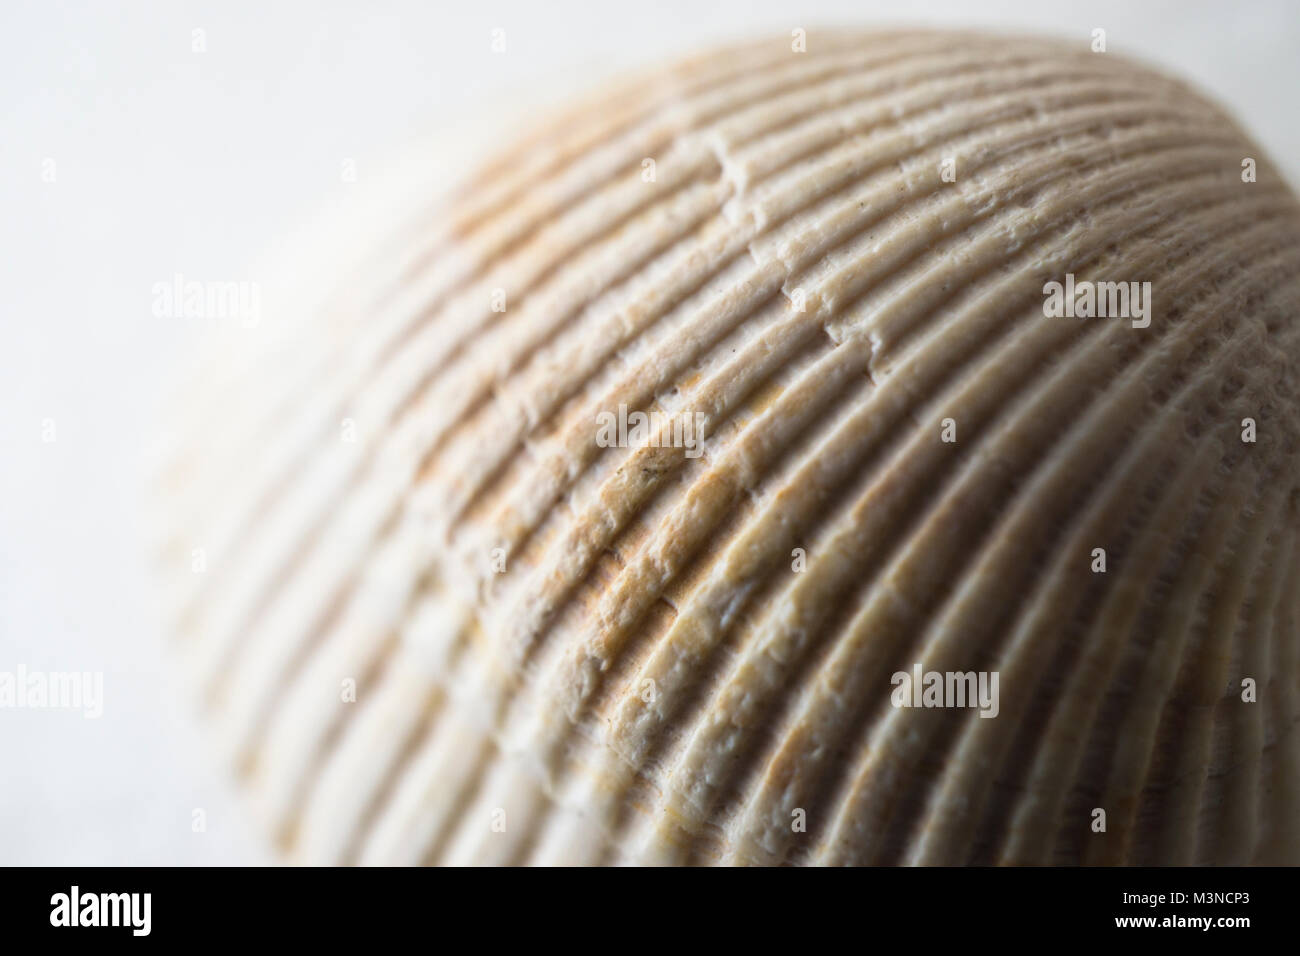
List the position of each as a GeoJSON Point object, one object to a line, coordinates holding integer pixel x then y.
{"type": "Point", "coordinates": [869, 448]}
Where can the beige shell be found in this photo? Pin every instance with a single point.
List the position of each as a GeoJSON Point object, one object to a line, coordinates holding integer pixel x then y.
{"type": "Point", "coordinates": [835, 263]}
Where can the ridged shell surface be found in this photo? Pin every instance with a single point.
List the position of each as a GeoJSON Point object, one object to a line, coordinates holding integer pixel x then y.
{"type": "Point", "coordinates": [444, 618]}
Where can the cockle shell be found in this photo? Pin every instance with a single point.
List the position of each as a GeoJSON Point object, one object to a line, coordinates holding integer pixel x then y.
{"type": "Point", "coordinates": [444, 618]}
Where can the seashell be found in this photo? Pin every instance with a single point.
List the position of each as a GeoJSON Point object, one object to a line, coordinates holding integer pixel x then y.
{"type": "Point", "coordinates": [732, 469]}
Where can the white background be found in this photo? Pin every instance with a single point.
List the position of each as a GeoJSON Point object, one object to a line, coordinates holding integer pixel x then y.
{"type": "Point", "coordinates": [172, 161]}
